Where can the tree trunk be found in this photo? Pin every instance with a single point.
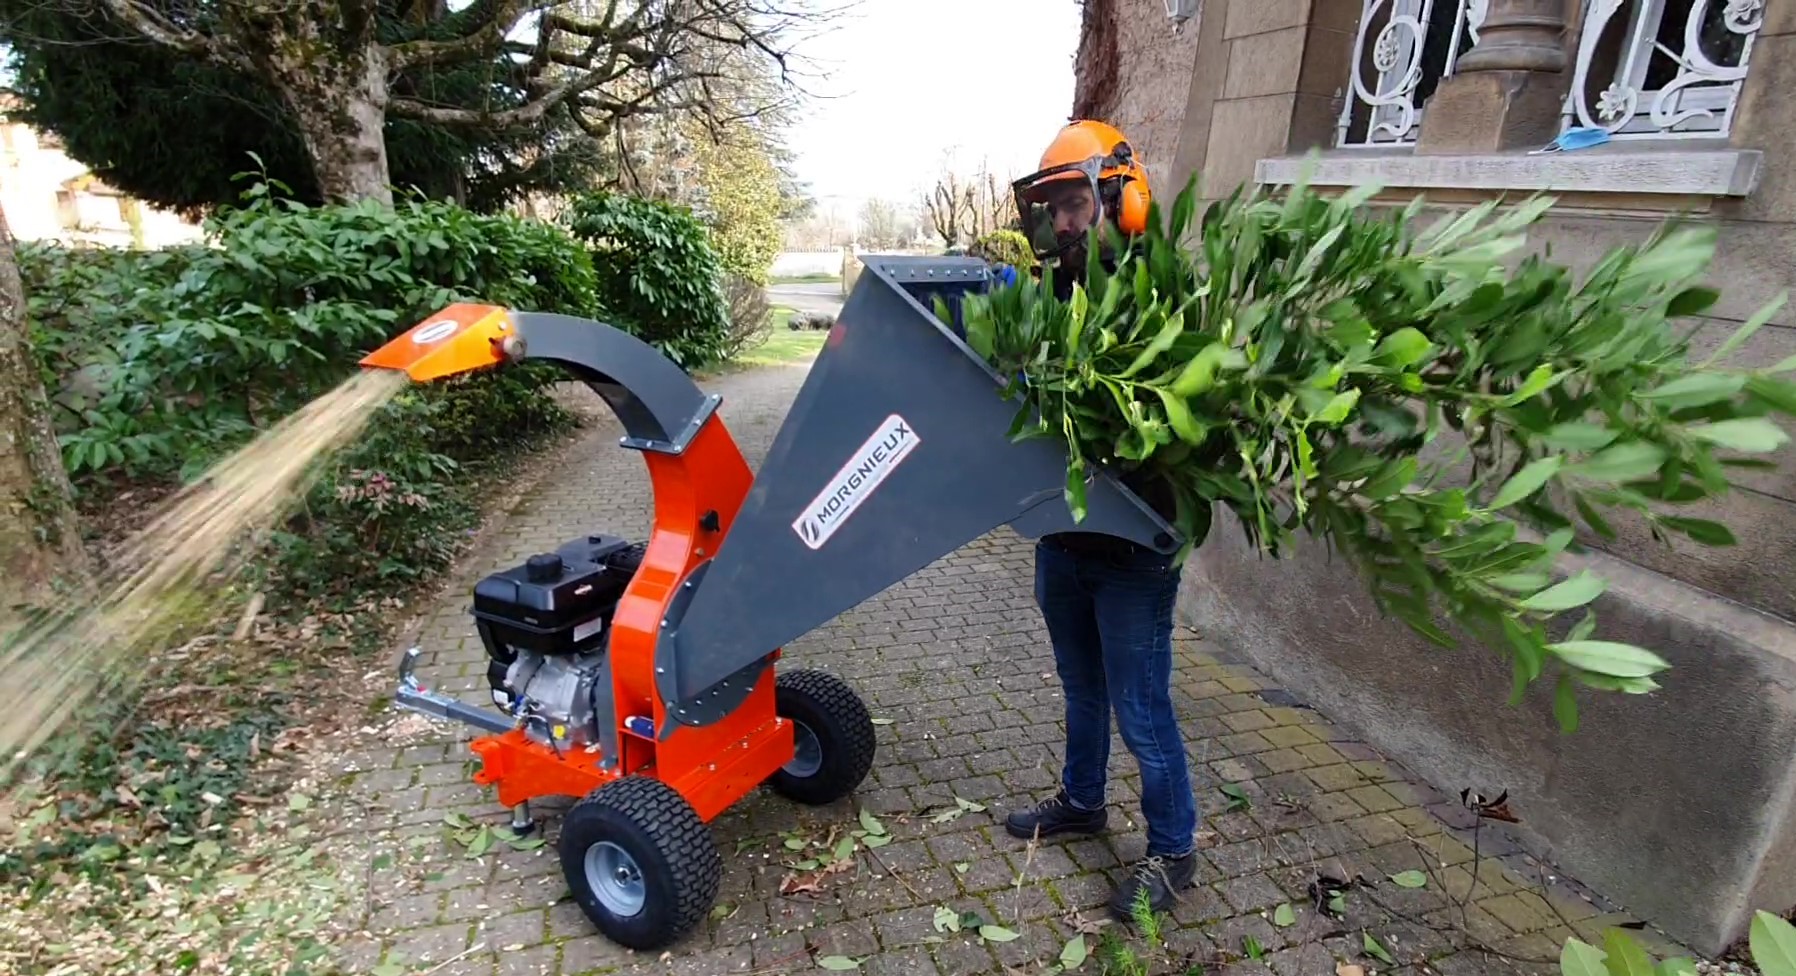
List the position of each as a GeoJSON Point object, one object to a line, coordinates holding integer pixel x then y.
{"type": "Point", "coordinates": [40, 541]}
{"type": "Point", "coordinates": [1098, 62]}
{"type": "Point", "coordinates": [342, 111]}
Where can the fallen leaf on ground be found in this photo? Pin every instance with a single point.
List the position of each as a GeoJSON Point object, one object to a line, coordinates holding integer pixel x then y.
{"type": "Point", "coordinates": [1377, 951]}
{"type": "Point", "coordinates": [1085, 926]}
{"type": "Point", "coordinates": [1348, 969]}
{"type": "Point", "coordinates": [871, 823]}
{"type": "Point", "coordinates": [811, 882]}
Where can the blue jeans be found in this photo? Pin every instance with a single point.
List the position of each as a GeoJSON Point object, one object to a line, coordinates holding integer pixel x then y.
{"type": "Point", "coordinates": [1109, 617]}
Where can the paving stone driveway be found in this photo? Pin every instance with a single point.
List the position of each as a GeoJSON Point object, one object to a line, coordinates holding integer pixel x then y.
{"type": "Point", "coordinates": [954, 663]}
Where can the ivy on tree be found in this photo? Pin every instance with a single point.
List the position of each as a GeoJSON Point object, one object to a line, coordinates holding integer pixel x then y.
{"type": "Point", "coordinates": [1444, 415]}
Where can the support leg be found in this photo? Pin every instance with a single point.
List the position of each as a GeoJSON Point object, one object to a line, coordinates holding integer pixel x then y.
{"type": "Point", "coordinates": [521, 823]}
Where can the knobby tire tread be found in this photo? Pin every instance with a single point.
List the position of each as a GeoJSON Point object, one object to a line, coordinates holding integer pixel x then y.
{"type": "Point", "coordinates": [683, 840]}
{"type": "Point", "coordinates": [833, 696]}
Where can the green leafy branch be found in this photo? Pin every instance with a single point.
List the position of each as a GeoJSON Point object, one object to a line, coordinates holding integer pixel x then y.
{"type": "Point", "coordinates": [1445, 412]}
{"type": "Point", "coordinates": [1771, 939]}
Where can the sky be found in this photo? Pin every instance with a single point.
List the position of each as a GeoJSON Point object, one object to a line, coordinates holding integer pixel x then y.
{"type": "Point", "coordinates": [904, 82]}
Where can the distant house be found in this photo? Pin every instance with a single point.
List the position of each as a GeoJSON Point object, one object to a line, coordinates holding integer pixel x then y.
{"type": "Point", "coordinates": [51, 197]}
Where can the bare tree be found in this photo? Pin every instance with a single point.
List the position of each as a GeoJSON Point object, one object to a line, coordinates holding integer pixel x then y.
{"type": "Point", "coordinates": [881, 225]}
{"type": "Point", "coordinates": [600, 61]}
{"type": "Point", "coordinates": [963, 207]}
{"type": "Point", "coordinates": [822, 230]}
{"type": "Point", "coordinates": [994, 207]}
{"type": "Point", "coordinates": [746, 99]}
{"type": "Point", "coordinates": [949, 205]}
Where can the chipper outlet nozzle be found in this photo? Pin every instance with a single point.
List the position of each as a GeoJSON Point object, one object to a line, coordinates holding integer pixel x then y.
{"type": "Point", "coordinates": [461, 338]}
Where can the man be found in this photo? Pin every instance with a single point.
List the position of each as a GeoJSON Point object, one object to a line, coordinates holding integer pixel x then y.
{"type": "Point", "coordinates": [1107, 602]}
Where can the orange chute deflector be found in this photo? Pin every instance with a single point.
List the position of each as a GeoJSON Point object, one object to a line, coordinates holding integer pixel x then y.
{"type": "Point", "coordinates": [459, 339]}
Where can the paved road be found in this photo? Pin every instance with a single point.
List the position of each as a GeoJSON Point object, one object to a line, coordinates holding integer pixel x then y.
{"type": "Point", "coordinates": [824, 297]}
{"type": "Point", "coordinates": [955, 658]}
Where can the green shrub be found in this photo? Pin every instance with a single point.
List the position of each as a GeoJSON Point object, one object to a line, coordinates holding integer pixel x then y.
{"type": "Point", "coordinates": [1004, 247]}
{"type": "Point", "coordinates": [163, 362]}
{"type": "Point", "coordinates": [751, 317]}
{"type": "Point", "coordinates": [657, 273]}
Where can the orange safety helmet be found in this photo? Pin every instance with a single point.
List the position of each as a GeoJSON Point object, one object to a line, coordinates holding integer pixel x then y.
{"type": "Point", "coordinates": [1089, 173]}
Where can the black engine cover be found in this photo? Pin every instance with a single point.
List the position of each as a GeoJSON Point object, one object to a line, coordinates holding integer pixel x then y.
{"type": "Point", "coordinates": [555, 603]}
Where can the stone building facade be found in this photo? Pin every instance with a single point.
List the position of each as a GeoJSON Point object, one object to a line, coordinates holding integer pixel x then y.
{"type": "Point", "coordinates": [1681, 805]}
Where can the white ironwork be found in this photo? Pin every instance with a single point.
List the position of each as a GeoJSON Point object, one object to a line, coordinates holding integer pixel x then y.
{"type": "Point", "coordinates": [1385, 103]}
{"type": "Point", "coordinates": [1656, 90]}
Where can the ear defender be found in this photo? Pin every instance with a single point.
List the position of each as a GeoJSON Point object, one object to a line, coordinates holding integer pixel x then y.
{"type": "Point", "coordinates": [1131, 216]}
{"type": "Point", "coordinates": [1132, 203]}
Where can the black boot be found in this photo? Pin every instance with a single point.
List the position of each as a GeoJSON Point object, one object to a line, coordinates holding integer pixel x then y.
{"type": "Point", "coordinates": [1056, 815]}
{"type": "Point", "coordinates": [1163, 878]}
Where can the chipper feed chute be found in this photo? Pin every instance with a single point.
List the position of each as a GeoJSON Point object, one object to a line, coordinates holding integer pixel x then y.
{"type": "Point", "coordinates": [639, 676]}
{"type": "Point", "coordinates": [894, 454]}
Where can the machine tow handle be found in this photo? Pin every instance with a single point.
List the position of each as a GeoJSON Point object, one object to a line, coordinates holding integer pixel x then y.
{"type": "Point", "coordinates": [413, 696]}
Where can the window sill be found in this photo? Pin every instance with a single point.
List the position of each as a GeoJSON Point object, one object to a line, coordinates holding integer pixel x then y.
{"type": "Point", "coordinates": [1614, 168]}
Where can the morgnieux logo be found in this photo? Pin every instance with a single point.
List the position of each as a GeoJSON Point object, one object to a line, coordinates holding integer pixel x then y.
{"type": "Point", "coordinates": [855, 482]}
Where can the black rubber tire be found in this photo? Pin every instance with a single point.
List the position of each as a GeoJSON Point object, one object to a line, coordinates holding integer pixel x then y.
{"type": "Point", "coordinates": [832, 711]}
{"type": "Point", "coordinates": [681, 867]}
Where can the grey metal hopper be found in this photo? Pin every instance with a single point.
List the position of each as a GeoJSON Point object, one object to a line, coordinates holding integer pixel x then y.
{"type": "Point", "coordinates": [894, 454]}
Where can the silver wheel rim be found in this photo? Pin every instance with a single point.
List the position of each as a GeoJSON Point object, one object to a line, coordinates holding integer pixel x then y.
{"type": "Point", "coordinates": [615, 879]}
{"type": "Point", "coordinates": [807, 752]}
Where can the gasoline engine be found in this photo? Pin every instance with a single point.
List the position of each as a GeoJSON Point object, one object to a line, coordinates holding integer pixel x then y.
{"type": "Point", "coordinates": [545, 625]}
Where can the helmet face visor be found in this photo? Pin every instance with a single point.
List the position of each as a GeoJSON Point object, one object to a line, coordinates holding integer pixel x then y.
{"type": "Point", "coordinates": [1058, 207]}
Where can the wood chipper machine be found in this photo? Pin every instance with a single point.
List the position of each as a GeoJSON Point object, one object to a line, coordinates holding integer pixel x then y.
{"type": "Point", "coordinates": [639, 676]}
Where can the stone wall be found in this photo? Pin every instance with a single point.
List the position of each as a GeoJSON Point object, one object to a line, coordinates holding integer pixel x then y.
{"type": "Point", "coordinates": [1680, 805]}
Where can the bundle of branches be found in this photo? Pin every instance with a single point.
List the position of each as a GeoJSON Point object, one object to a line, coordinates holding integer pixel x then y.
{"type": "Point", "coordinates": [1426, 402]}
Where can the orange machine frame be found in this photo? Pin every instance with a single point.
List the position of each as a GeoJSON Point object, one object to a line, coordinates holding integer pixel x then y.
{"type": "Point", "coordinates": [697, 494]}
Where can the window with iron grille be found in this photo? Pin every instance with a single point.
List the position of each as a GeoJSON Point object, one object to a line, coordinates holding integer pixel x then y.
{"type": "Point", "coordinates": [1401, 51]}
{"type": "Point", "coordinates": [1661, 68]}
